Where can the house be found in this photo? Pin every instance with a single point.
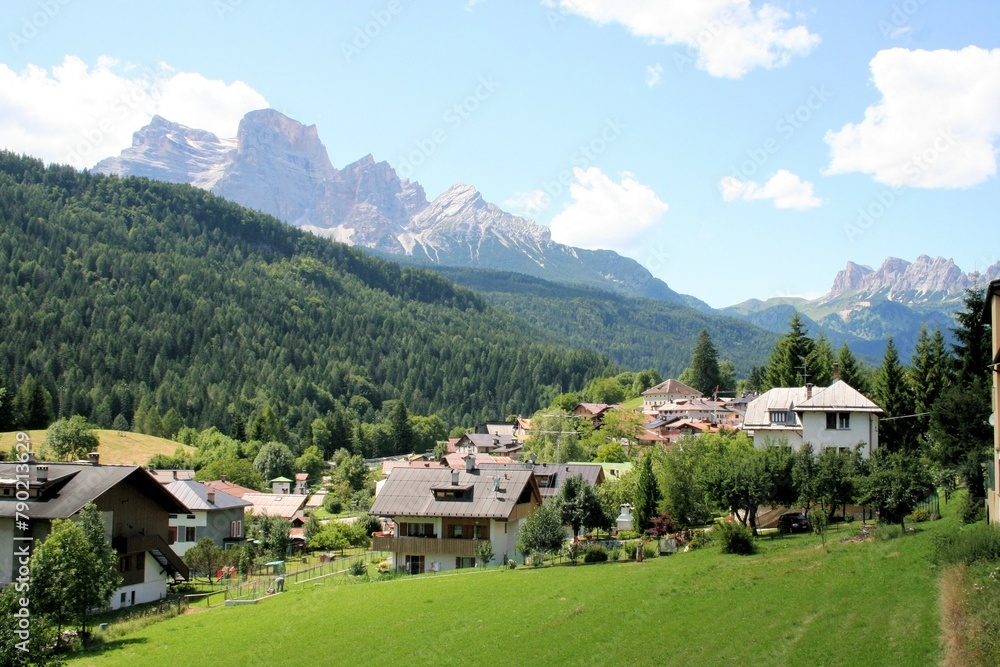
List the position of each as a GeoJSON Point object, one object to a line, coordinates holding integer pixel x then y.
{"type": "Point", "coordinates": [522, 430]}
{"type": "Point", "coordinates": [593, 412]}
{"type": "Point", "coordinates": [210, 513]}
{"type": "Point", "coordinates": [991, 316]}
{"type": "Point", "coordinates": [439, 515]}
{"type": "Point", "coordinates": [666, 392]}
{"type": "Point", "coordinates": [281, 485]}
{"type": "Point", "coordinates": [701, 409]}
{"type": "Point", "coordinates": [835, 416]}
{"type": "Point", "coordinates": [486, 443]}
{"type": "Point", "coordinates": [290, 506]}
{"type": "Point", "coordinates": [134, 506]}
{"type": "Point", "coordinates": [503, 429]}
{"type": "Point", "coordinates": [302, 483]}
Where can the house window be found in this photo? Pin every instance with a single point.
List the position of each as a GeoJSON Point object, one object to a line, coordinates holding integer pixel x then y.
{"type": "Point", "coordinates": [124, 563]}
{"type": "Point", "coordinates": [189, 534]}
{"type": "Point", "coordinates": [778, 416]}
{"type": "Point", "coordinates": [140, 561]}
{"type": "Point", "coordinates": [462, 563]}
{"type": "Point", "coordinates": [477, 532]}
{"type": "Point", "coordinates": [236, 529]}
{"type": "Point", "coordinates": [171, 534]}
{"type": "Point", "coordinates": [420, 529]}
{"type": "Point", "coordinates": [838, 420]}
{"type": "Point", "coordinates": [844, 420]}
{"type": "Point", "coordinates": [831, 420]}
{"type": "Point", "coordinates": [456, 531]}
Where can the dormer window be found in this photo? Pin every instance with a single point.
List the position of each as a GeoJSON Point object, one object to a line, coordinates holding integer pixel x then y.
{"type": "Point", "coordinates": [778, 416]}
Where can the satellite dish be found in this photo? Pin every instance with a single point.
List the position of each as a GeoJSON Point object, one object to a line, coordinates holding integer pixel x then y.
{"type": "Point", "coordinates": [993, 419]}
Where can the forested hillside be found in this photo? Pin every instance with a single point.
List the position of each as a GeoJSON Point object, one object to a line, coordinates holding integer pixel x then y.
{"type": "Point", "coordinates": [634, 332]}
{"type": "Point", "coordinates": [117, 290]}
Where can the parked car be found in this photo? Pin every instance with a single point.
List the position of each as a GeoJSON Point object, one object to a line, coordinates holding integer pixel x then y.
{"type": "Point", "coordinates": [793, 522]}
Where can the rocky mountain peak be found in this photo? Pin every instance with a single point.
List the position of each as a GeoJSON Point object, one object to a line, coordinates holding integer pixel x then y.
{"type": "Point", "coordinates": [926, 279]}
{"type": "Point", "coordinates": [850, 278]}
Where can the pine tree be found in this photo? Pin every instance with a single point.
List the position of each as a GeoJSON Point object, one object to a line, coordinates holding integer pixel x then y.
{"type": "Point", "coordinates": [6, 407]}
{"type": "Point", "coordinates": [647, 494]}
{"type": "Point", "coordinates": [851, 370]}
{"type": "Point", "coordinates": [820, 363]}
{"type": "Point", "coordinates": [893, 395]}
{"type": "Point", "coordinates": [33, 405]}
{"type": "Point", "coordinates": [401, 429]}
{"type": "Point", "coordinates": [973, 344]}
{"type": "Point", "coordinates": [928, 374]}
{"type": "Point", "coordinates": [705, 365]}
{"type": "Point", "coordinates": [790, 354]}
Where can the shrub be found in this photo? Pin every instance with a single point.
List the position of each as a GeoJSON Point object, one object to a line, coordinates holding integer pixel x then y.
{"type": "Point", "coordinates": [596, 553]}
{"type": "Point", "coordinates": [573, 551]}
{"type": "Point", "coordinates": [971, 509]}
{"type": "Point", "coordinates": [511, 564]}
{"type": "Point", "coordinates": [700, 538]}
{"type": "Point", "coordinates": [979, 543]}
{"type": "Point", "coordinates": [734, 538]}
{"type": "Point", "coordinates": [333, 504]}
{"type": "Point", "coordinates": [615, 553]}
{"type": "Point", "coordinates": [384, 567]}
{"type": "Point", "coordinates": [887, 531]}
{"type": "Point", "coordinates": [628, 534]}
{"type": "Point", "coordinates": [662, 526]}
{"type": "Point", "coordinates": [357, 568]}
{"type": "Point", "coordinates": [650, 550]}
{"type": "Point", "coordinates": [920, 514]}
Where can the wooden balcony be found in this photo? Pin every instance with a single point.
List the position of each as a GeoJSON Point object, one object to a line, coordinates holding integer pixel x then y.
{"type": "Point", "coordinates": [424, 546]}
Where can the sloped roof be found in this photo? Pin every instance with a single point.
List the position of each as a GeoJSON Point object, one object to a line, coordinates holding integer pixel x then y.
{"type": "Point", "coordinates": [165, 477]}
{"type": "Point", "coordinates": [487, 440]}
{"type": "Point", "coordinates": [838, 396]}
{"type": "Point", "coordinates": [672, 386]}
{"type": "Point", "coordinates": [408, 492]}
{"type": "Point", "coordinates": [274, 504]}
{"type": "Point", "coordinates": [194, 495]}
{"type": "Point", "coordinates": [70, 486]}
{"type": "Point", "coordinates": [230, 488]}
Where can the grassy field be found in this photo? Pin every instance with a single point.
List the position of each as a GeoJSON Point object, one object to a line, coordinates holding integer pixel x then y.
{"type": "Point", "coordinates": [115, 447]}
{"type": "Point", "coordinates": [793, 603]}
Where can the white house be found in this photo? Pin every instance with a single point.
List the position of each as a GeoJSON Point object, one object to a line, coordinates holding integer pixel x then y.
{"type": "Point", "coordinates": [440, 515]}
{"type": "Point", "coordinates": [991, 315]}
{"type": "Point", "coordinates": [210, 513]}
{"type": "Point", "coordinates": [668, 391]}
{"type": "Point", "coordinates": [835, 416]}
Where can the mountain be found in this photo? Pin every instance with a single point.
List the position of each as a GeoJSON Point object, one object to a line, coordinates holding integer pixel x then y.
{"type": "Point", "coordinates": [279, 166]}
{"type": "Point", "coordinates": [632, 331]}
{"type": "Point", "coordinates": [118, 291]}
{"type": "Point", "coordinates": [865, 306]}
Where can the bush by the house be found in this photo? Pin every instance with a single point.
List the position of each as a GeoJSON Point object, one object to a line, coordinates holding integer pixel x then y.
{"type": "Point", "coordinates": [357, 568]}
{"type": "Point", "coordinates": [920, 514]}
{"type": "Point", "coordinates": [700, 538]}
{"type": "Point", "coordinates": [650, 550]}
{"type": "Point", "coordinates": [979, 543]}
{"type": "Point", "coordinates": [734, 538]}
{"type": "Point", "coordinates": [595, 553]}
{"type": "Point", "coordinates": [971, 509]}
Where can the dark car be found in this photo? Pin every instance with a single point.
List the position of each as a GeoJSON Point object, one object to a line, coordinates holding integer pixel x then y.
{"type": "Point", "coordinates": [793, 522]}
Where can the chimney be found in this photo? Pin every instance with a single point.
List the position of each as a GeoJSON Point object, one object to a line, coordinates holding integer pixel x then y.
{"type": "Point", "coordinates": [470, 462]}
{"type": "Point", "coordinates": [211, 496]}
{"type": "Point", "coordinates": [94, 458]}
{"type": "Point", "coordinates": [174, 473]}
{"type": "Point", "coordinates": [836, 371]}
{"type": "Point", "coordinates": [222, 478]}
{"type": "Point", "coordinates": [454, 478]}
{"type": "Point", "coordinates": [809, 391]}
{"type": "Point", "coordinates": [496, 483]}
{"type": "Point", "coordinates": [42, 473]}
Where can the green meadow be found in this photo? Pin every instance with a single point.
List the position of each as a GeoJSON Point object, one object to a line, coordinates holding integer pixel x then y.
{"type": "Point", "coordinates": [792, 603]}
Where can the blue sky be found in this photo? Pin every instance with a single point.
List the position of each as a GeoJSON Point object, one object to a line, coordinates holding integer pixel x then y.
{"type": "Point", "coordinates": [736, 149]}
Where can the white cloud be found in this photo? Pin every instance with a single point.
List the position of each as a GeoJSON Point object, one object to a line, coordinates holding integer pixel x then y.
{"type": "Point", "coordinates": [784, 189]}
{"type": "Point", "coordinates": [528, 204]}
{"type": "Point", "coordinates": [654, 73]}
{"type": "Point", "coordinates": [726, 38]}
{"type": "Point", "coordinates": [78, 114]}
{"type": "Point", "coordinates": [936, 125]}
{"type": "Point", "coordinates": [606, 214]}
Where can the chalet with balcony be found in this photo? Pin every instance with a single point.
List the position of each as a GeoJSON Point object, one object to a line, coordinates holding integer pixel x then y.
{"type": "Point", "coordinates": [440, 515]}
{"type": "Point", "coordinates": [210, 513]}
{"type": "Point", "coordinates": [134, 506]}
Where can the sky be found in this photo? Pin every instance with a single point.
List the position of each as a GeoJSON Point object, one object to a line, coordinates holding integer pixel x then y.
{"type": "Point", "coordinates": [736, 149]}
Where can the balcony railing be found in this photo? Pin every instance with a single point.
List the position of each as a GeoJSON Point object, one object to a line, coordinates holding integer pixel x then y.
{"type": "Point", "coordinates": [424, 546]}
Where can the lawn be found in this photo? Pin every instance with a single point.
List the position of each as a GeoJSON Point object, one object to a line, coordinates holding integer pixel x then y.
{"type": "Point", "coordinates": [793, 603]}
{"type": "Point", "coordinates": [116, 447]}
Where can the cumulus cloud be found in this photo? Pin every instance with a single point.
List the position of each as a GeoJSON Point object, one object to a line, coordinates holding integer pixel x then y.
{"type": "Point", "coordinates": [654, 73]}
{"type": "Point", "coordinates": [604, 213]}
{"type": "Point", "coordinates": [77, 114]}
{"type": "Point", "coordinates": [936, 125]}
{"type": "Point", "coordinates": [726, 38]}
{"type": "Point", "coordinates": [785, 190]}
{"type": "Point", "coordinates": [528, 204]}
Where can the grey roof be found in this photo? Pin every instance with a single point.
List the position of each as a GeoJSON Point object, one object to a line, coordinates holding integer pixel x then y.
{"type": "Point", "coordinates": [671, 386]}
{"type": "Point", "coordinates": [276, 504]}
{"type": "Point", "coordinates": [489, 440]}
{"type": "Point", "coordinates": [194, 495]}
{"type": "Point", "coordinates": [409, 492]}
{"type": "Point", "coordinates": [838, 396]}
{"type": "Point", "coordinates": [165, 477]}
{"type": "Point", "coordinates": [592, 473]}
{"type": "Point", "coordinates": [70, 486]}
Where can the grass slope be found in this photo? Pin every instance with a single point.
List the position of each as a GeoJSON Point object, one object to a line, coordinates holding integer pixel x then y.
{"type": "Point", "coordinates": [117, 448]}
{"type": "Point", "coordinates": [793, 603]}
